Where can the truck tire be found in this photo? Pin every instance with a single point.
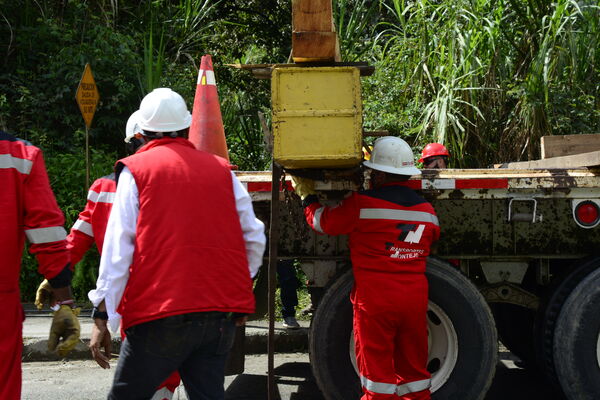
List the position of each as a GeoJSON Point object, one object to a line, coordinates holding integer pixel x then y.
{"type": "Point", "coordinates": [329, 340]}
{"type": "Point", "coordinates": [547, 316]}
{"type": "Point", "coordinates": [463, 340]}
{"type": "Point", "coordinates": [577, 341]}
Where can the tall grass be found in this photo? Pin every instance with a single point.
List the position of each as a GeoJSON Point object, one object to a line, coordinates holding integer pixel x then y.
{"type": "Point", "coordinates": [245, 137]}
{"type": "Point", "coordinates": [485, 74]}
{"type": "Point", "coordinates": [192, 25]}
{"type": "Point", "coordinates": [354, 23]}
{"type": "Point", "coordinates": [154, 58]}
{"type": "Point", "coordinates": [172, 33]}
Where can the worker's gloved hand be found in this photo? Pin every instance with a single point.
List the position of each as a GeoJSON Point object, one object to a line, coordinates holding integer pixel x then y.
{"type": "Point", "coordinates": [367, 150]}
{"type": "Point", "coordinates": [44, 295]}
{"type": "Point", "coordinates": [303, 186]}
{"type": "Point", "coordinates": [65, 330]}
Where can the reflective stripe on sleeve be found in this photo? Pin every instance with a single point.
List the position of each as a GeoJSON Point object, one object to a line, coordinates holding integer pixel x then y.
{"type": "Point", "coordinates": [46, 235]}
{"type": "Point", "coordinates": [317, 219]}
{"type": "Point", "coordinates": [102, 197]}
{"type": "Point", "coordinates": [82, 226]}
{"type": "Point", "coordinates": [400, 215]}
{"type": "Point", "coordinates": [20, 164]}
{"type": "Point", "coordinates": [378, 387]}
{"type": "Point", "coordinates": [413, 387]}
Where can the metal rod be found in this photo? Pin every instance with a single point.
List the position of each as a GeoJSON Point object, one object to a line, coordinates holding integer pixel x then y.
{"type": "Point", "coordinates": [87, 159]}
{"type": "Point", "coordinates": [273, 241]}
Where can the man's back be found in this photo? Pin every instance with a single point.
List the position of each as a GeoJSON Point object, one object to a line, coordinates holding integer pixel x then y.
{"type": "Point", "coordinates": [395, 230]}
{"type": "Point", "coordinates": [188, 234]}
{"type": "Point", "coordinates": [15, 164]}
{"type": "Point", "coordinates": [390, 228]}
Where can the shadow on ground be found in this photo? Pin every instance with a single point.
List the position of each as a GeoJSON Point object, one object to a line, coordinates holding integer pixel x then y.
{"type": "Point", "coordinates": [294, 382]}
{"type": "Point", "coordinates": [519, 383]}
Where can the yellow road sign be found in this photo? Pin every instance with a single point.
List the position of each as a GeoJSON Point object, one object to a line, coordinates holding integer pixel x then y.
{"type": "Point", "coordinates": [87, 95]}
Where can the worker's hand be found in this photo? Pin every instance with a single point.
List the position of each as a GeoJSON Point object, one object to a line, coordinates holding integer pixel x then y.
{"type": "Point", "coordinates": [303, 186]}
{"type": "Point", "coordinates": [241, 321]}
{"type": "Point", "coordinates": [65, 330]}
{"type": "Point", "coordinates": [101, 340]}
{"type": "Point", "coordinates": [44, 295]}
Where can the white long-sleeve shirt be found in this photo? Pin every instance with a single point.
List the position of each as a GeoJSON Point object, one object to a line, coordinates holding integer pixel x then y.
{"type": "Point", "coordinates": [119, 242]}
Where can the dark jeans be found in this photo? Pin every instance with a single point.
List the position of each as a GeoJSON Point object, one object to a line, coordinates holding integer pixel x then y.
{"type": "Point", "coordinates": [195, 344]}
{"type": "Point", "coordinates": [288, 283]}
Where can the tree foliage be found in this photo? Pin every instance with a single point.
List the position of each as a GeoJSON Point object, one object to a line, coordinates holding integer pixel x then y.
{"type": "Point", "coordinates": [487, 78]}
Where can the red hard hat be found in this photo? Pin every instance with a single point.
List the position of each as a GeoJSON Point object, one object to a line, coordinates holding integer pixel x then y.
{"type": "Point", "coordinates": [434, 149]}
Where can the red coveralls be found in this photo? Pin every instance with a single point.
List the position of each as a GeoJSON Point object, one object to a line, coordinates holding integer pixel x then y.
{"type": "Point", "coordinates": [390, 230]}
{"type": "Point", "coordinates": [91, 223]}
{"type": "Point", "coordinates": [27, 208]}
{"type": "Point", "coordinates": [90, 227]}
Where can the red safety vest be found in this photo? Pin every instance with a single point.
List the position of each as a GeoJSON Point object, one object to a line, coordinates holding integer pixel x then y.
{"type": "Point", "coordinates": [190, 254]}
{"type": "Point", "coordinates": [28, 208]}
{"type": "Point", "coordinates": [91, 223]}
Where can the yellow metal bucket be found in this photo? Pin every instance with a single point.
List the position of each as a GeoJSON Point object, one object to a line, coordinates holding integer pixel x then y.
{"type": "Point", "coordinates": [317, 117]}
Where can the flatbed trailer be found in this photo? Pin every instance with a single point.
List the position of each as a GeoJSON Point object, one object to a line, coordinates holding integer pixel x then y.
{"type": "Point", "coordinates": [518, 259]}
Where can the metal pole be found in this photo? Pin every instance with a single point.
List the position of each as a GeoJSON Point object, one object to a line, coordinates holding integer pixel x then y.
{"type": "Point", "coordinates": [273, 241]}
{"type": "Point", "coordinates": [87, 159]}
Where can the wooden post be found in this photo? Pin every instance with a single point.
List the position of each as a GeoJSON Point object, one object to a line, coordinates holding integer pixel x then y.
{"type": "Point", "coordinates": [313, 32]}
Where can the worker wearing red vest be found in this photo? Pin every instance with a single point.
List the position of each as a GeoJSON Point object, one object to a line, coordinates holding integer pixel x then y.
{"type": "Point", "coordinates": [435, 156]}
{"type": "Point", "coordinates": [28, 209]}
{"type": "Point", "coordinates": [391, 229]}
{"type": "Point", "coordinates": [181, 247]}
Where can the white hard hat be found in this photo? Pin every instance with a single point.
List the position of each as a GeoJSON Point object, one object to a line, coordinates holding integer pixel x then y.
{"type": "Point", "coordinates": [163, 110]}
{"type": "Point", "coordinates": [392, 155]}
{"type": "Point", "coordinates": [132, 126]}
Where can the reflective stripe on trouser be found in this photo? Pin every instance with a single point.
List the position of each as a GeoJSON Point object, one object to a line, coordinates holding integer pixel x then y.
{"type": "Point", "coordinates": [162, 394]}
{"type": "Point", "coordinates": [11, 346]}
{"type": "Point", "coordinates": [170, 384]}
{"type": "Point", "coordinates": [390, 388]}
{"type": "Point", "coordinates": [390, 332]}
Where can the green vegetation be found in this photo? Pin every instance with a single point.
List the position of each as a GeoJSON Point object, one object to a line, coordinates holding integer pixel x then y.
{"type": "Point", "coordinates": [487, 78]}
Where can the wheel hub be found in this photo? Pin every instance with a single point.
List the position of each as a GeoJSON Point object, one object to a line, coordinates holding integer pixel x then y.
{"type": "Point", "coordinates": [443, 346]}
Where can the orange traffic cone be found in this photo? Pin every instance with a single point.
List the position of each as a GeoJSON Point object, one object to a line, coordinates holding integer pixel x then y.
{"type": "Point", "coordinates": [206, 131]}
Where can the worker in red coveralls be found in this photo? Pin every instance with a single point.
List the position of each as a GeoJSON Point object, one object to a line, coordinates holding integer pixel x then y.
{"type": "Point", "coordinates": [391, 229]}
{"type": "Point", "coordinates": [181, 246]}
{"type": "Point", "coordinates": [90, 227]}
{"type": "Point", "coordinates": [435, 156]}
{"type": "Point", "coordinates": [28, 209]}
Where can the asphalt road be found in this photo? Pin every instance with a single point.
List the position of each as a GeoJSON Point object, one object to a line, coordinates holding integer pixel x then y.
{"type": "Point", "coordinates": [82, 380]}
